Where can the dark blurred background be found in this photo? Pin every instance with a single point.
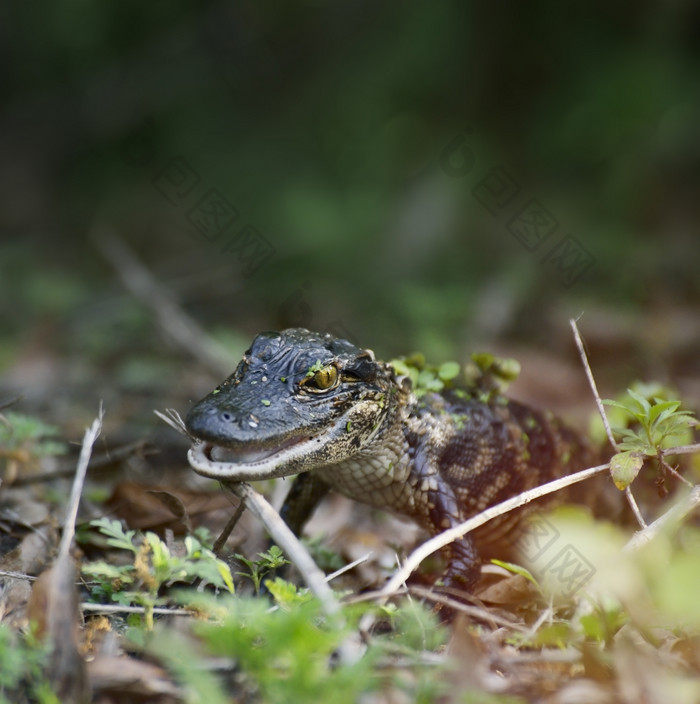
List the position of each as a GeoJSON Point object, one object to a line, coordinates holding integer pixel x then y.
{"type": "Point", "coordinates": [436, 176]}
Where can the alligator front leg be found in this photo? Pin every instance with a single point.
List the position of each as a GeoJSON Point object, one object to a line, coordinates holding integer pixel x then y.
{"type": "Point", "coordinates": [463, 560]}
{"type": "Point", "coordinates": [463, 566]}
{"type": "Point", "coordinates": [305, 495]}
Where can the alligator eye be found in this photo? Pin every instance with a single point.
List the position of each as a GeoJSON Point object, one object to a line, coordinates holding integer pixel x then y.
{"type": "Point", "coordinates": [322, 379]}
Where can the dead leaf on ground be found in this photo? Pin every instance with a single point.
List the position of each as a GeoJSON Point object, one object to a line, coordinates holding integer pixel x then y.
{"type": "Point", "coordinates": [53, 609]}
{"type": "Point", "coordinates": [157, 507]}
{"type": "Point", "coordinates": [514, 590]}
{"type": "Point", "coordinates": [138, 680]}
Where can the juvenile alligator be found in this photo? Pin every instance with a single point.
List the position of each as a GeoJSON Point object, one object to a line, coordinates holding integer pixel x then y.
{"type": "Point", "coordinates": [311, 404]}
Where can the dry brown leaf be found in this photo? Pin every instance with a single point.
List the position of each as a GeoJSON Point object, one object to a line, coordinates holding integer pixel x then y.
{"type": "Point", "coordinates": [136, 679]}
{"type": "Point", "coordinates": [53, 608]}
{"type": "Point", "coordinates": [28, 558]}
{"type": "Point", "coordinates": [514, 590]}
{"type": "Point", "coordinates": [145, 507]}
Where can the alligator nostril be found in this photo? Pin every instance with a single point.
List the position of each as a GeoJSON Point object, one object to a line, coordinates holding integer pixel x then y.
{"type": "Point", "coordinates": [227, 417]}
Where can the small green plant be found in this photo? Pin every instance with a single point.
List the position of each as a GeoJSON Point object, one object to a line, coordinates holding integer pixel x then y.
{"type": "Point", "coordinates": [25, 439]}
{"type": "Point", "coordinates": [290, 654]}
{"type": "Point", "coordinates": [326, 558]}
{"type": "Point", "coordinates": [485, 375]}
{"type": "Point", "coordinates": [267, 562]}
{"type": "Point", "coordinates": [285, 655]}
{"type": "Point", "coordinates": [154, 567]}
{"type": "Point", "coordinates": [22, 663]}
{"type": "Point", "coordinates": [647, 422]}
{"type": "Point", "coordinates": [286, 594]}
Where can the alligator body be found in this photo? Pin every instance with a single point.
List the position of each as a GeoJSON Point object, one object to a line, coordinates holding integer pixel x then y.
{"type": "Point", "coordinates": [308, 404]}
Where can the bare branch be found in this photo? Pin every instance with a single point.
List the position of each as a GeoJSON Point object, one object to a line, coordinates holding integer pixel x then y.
{"type": "Point", "coordinates": [292, 546]}
{"type": "Point", "coordinates": [350, 649]}
{"type": "Point", "coordinates": [681, 450]}
{"type": "Point", "coordinates": [121, 609]}
{"type": "Point", "coordinates": [91, 435]}
{"type": "Point", "coordinates": [601, 409]}
{"type": "Point", "coordinates": [446, 537]}
{"type": "Point", "coordinates": [591, 382]}
{"type": "Point", "coordinates": [174, 322]}
{"type": "Point", "coordinates": [672, 517]}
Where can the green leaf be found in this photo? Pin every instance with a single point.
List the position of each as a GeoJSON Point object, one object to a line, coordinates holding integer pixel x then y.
{"type": "Point", "coordinates": [448, 370]}
{"type": "Point", "coordinates": [483, 360]}
{"type": "Point", "coordinates": [517, 569]}
{"type": "Point", "coordinates": [286, 594]}
{"type": "Point", "coordinates": [225, 573]}
{"type": "Point", "coordinates": [663, 409]}
{"type": "Point", "coordinates": [507, 368]}
{"type": "Point", "coordinates": [643, 402]}
{"type": "Point", "coordinates": [117, 537]}
{"type": "Point", "coordinates": [616, 404]}
{"type": "Point", "coordinates": [624, 467]}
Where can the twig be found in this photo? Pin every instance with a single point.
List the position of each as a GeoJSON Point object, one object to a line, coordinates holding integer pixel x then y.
{"type": "Point", "coordinates": [591, 382]}
{"type": "Point", "coordinates": [228, 529]}
{"type": "Point", "coordinates": [119, 609]}
{"type": "Point", "coordinates": [476, 612]}
{"type": "Point", "coordinates": [446, 537]}
{"type": "Point", "coordinates": [672, 470]}
{"type": "Point", "coordinates": [17, 575]}
{"type": "Point", "coordinates": [349, 649]}
{"type": "Point", "coordinates": [53, 603]}
{"type": "Point", "coordinates": [601, 409]}
{"type": "Point", "coordinates": [174, 322]}
{"type": "Point", "coordinates": [292, 546]}
{"type": "Point", "coordinates": [673, 516]}
{"type": "Point", "coordinates": [682, 450]}
{"type": "Point", "coordinates": [346, 568]}
{"type": "Point", "coordinates": [96, 461]}
{"type": "Point", "coordinates": [91, 435]}
{"type": "Point", "coordinates": [11, 402]}
{"type": "Point", "coordinates": [285, 538]}
{"type": "Point", "coordinates": [275, 526]}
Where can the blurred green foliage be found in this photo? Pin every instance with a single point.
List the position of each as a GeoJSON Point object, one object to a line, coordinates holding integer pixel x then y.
{"type": "Point", "coordinates": [325, 125]}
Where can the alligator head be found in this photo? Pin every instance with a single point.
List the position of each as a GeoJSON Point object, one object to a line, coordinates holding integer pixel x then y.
{"type": "Point", "coordinates": [297, 400]}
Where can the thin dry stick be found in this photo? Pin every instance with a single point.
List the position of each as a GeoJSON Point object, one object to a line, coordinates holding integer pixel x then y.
{"type": "Point", "coordinates": [350, 649]}
{"type": "Point", "coordinates": [292, 546]}
{"type": "Point", "coordinates": [477, 612]}
{"type": "Point", "coordinates": [17, 575]}
{"type": "Point", "coordinates": [446, 537]}
{"type": "Point", "coordinates": [66, 469]}
{"type": "Point", "coordinates": [591, 382]}
{"type": "Point", "coordinates": [228, 529]}
{"type": "Point", "coordinates": [91, 435]}
{"type": "Point", "coordinates": [682, 450]}
{"type": "Point", "coordinates": [119, 609]}
{"type": "Point", "coordinates": [672, 517]}
{"type": "Point", "coordinates": [601, 409]}
{"type": "Point", "coordinates": [346, 568]}
{"type": "Point", "coordinates": [176, 324]}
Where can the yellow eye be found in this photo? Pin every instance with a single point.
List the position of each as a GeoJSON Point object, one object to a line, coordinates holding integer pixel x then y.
{"type": "Point", "coordinates": [322, 379]}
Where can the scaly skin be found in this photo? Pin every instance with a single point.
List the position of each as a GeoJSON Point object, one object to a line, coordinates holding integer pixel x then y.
{"type": "Point", "coordinates": [313, 405]}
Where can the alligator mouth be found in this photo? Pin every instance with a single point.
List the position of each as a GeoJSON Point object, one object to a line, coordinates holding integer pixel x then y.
{"type": "Point", "coordinates": [248, 453]}
{"type": "Point", "coordinates": [249, 462]}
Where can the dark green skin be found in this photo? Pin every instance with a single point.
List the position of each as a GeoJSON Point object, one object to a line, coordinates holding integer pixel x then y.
{"type": "Point", "coordinates": [438, 459]}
